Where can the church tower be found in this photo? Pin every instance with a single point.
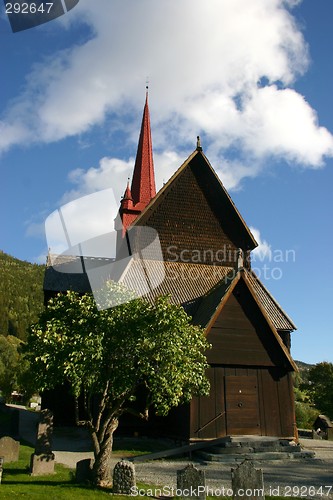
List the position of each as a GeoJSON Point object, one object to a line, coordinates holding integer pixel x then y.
{"type": "Point", "coordinates": [142, 189]}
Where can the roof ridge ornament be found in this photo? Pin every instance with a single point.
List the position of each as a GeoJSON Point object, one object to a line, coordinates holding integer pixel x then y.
{"type": "Point", "coordinates": [199, 148]}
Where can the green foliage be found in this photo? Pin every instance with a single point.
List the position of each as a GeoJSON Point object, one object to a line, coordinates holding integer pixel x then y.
{"type": "Point", "coordinates": [13, 366]}
{"type": "Point", "coordinates": [118, 349]}
{"type": "Point", "coordinates": [113, 352]}
{"type": "Point", "coordinates": [318, 386]}
{"type": "Point", "coordinates": [305, 415]}
{"type": "Point", "coordinates": [21, 295]}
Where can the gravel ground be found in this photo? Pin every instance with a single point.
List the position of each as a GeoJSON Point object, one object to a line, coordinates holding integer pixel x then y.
{"type": "Point", "coordinates": [307, 478]}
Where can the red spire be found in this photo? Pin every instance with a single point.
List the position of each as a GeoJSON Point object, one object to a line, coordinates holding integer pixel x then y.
{"type": "Point", "coordinates": [143, 182]}
{"type": "Point", "coordinates": [127, 200]}
{"type": "Point", "coordinates": [143, 189]}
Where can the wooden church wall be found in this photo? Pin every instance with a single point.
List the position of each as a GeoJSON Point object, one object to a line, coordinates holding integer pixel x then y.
{"type": "Point", "coordinates": [263, 407]}
{"type": "Point", "coordinates": [251, 387]}
{"type": "Point", "coordinates": [235, 340]}
{"type": "Point", "coordinates": [241, 334]}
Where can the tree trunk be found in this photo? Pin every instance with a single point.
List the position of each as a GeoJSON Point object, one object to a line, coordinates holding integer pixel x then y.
{"type": "Point", "coordinates": [102, 469]}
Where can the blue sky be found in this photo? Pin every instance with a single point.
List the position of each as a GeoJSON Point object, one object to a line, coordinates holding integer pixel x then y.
{"type": "Point", "coordinates": [254, 79]}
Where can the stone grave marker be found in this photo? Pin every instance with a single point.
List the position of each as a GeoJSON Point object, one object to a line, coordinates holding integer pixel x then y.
{"type": "Point", "coordinates": [123, 478]}
{"type": "Point", "coordinates": [42, 461]}
{"type": "Point", "coordinates": [191, 482]}
{"type": "Point", "coordinates": [9, 449]}
{"type": "Point", "coordinates": [83, 470]}
{"type": "Point", "coordinates": [247, 482]}
{"type": "Point", "coordinates": [15, 424]}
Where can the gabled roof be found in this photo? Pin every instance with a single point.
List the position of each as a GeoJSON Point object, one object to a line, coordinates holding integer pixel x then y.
{"type": "Point", "coordinates": [214, 301]}
{"type": "Point", "coordinates": [215, 297]}
{"type": "Point", "coordinates": [275, 312]}
{"type": "Point", "coordinates": [219, 199]}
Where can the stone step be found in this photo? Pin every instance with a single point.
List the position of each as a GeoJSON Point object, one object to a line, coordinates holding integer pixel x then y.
{"type": "Point", "coordinates": [249, 449]}
{"type": "Point", "coordinates": [255, 446]}
{"type": "Point", "coordinates": [217, 450]}
{"type": "Point", "coordinates": [260, 456]}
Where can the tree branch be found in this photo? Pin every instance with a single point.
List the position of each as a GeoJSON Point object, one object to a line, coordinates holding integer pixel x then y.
{"type": "Point", "coordinates": [102, 404]}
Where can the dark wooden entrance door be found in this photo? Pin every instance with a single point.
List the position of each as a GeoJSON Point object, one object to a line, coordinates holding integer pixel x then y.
{"type": "Point", "coordinates": [242, 405]}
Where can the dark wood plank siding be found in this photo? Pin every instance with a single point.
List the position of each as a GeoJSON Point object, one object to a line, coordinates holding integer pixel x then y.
{"type": "Point", "coordinates": [220, 423]}
{"type": "Point", "coordinates": [208, 412]}
{"type": "Point", "coordinates": [266, 398]}
{"type": "Point", "coordinates": [241, 396]}
{"type": "Point", "coordinates": [271, 424]}
{"type": "Point", "coordinates": [242, 336]}
{"type": "Point", "coordinates": [286, 405]}
{"type": "Point", "coordinates": [235, 339]}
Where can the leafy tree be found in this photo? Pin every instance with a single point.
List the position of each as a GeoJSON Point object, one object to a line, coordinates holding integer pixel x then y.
{"type": "Point", "coordinates": [114, 352]}
{"type": "Point", "coordinates": [319, 387]}
{"type": "Point", "coordinates": [12, 366]}
{"type": "Point", "coordinates": [305, 415]}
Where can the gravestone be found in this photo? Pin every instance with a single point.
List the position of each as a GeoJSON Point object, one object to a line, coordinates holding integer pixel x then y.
{"type": "Point", "coordinates": [123, 478]}
{"type": "Point", "coordinates": [191, 482]}
{"type": "Point", "coordinates": [247, 482]}
{"type": "Point", "coordinates": [323, 427]}
{"type": "Point", "coordinates": [9, 449]}
{"type": "Point", "coordinates": [14, 430]}
{"type": "Point", "coordinates": [1, 468]}
{"type": "Point", "coordinates": [83, 470]}
{"type": "Point", "coordinates": [42, 461]}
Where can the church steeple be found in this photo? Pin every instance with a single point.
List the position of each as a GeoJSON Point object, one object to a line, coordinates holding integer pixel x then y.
{"type": "Point", "coordinates": [143, 188]}
{"type": "Point", "coordinates": [143, 183]}
{"type": "Point", "coordinates": [127, 200]}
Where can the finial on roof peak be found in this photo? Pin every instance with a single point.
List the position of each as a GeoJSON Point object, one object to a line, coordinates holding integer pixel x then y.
{"type": "Point", "coordinates": [199, 148]}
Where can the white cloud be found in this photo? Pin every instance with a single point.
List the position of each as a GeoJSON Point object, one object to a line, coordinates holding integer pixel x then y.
{"type": "Point", "coordinates": [287, 126]}
{"type": "Point", "coordinates": [112, 173]}
{"type": "Point", "coordinates": [263, 250]}
{"type": "Point", "coordinates": [223, 69]}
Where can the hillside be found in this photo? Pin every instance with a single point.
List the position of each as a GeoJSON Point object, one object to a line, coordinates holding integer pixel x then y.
{"type": "Point", "coordinates": [21, 294]}
{"type": "Point", "coordinates": [303, 367]}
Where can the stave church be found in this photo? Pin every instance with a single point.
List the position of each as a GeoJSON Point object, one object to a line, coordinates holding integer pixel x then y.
{"type": "Point", "coordinates": [204, 264]}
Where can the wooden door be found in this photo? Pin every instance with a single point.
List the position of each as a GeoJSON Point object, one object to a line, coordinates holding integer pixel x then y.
{"type": "Point", "coordinates": [242, 405]}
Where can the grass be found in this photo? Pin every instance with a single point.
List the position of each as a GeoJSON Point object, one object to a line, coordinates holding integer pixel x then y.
{"type": "Point", "coordinates": [17, 483]}
{"type": "Point", "coordinates": [127, 447]}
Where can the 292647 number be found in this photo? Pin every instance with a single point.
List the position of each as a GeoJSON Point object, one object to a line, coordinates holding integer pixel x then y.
{"type": "Point", "coordinates": [28, 8]}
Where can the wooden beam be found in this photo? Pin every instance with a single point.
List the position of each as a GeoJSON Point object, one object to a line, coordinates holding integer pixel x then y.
{"type": "Point", "coordinates": [188, 448]}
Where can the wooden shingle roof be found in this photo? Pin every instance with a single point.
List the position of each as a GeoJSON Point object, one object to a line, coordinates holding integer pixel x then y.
{"type": "Point", "coordinates": [279, 318]}
{"type": "Point", "coordinates": [212, 301]}
{"type": "Point", "coordinates": [186, 283]}
{"type": "Point", "coordinates": [69, 273]}
{"type": "Point", "coordinates": [196, 172]}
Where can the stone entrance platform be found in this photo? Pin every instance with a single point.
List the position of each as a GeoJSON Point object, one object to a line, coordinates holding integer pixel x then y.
{"type": "Point", "coordinates": [258, 448]}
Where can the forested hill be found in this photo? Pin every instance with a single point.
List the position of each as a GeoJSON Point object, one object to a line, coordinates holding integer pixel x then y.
{"type": "Point", "coordinates": [21, 294]}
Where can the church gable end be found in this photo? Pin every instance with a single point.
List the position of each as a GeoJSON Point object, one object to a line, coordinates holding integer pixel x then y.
{"type": "Point", "coordinates": [241, 335]}
{"type": "Point", "coordinates": [192, 222]}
